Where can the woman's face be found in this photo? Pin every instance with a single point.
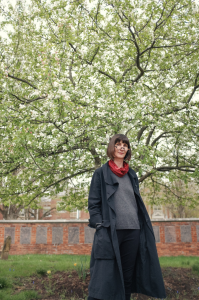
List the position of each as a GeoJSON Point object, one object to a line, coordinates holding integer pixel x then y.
{"type": "Point", "coordinates": [120, 150]}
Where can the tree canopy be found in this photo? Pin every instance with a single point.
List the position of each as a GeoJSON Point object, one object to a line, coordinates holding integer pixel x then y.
{"type": "Point", "coordinates": [74, 73]}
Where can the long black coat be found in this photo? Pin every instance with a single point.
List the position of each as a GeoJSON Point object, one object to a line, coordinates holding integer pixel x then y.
{"type": "Point", "coordinates": [107, 281]}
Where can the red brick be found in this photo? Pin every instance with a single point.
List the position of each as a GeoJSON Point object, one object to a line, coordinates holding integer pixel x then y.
{"type": "Point", "coordinates": [163, 248]}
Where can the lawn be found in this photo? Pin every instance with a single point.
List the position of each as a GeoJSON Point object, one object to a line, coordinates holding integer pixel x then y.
{"type": "Point", "coordinates": [26, 265]}
{"type": "Point", "coordinates": [19, 267]}
{"type": "Point", "coordinates": [25, 277]}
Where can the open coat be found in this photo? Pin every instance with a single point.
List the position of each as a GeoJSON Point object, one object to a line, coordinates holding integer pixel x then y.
{"type": "Point", "coordinates": [106, 276]}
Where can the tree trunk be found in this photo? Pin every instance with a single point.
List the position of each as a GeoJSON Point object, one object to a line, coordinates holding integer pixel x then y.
{"type": "Point", "coordinates": [6, 248]}
{"type": "Point", "coordinates": [181, 211]}
{"type": "Point", "coordinates": [11, 212]}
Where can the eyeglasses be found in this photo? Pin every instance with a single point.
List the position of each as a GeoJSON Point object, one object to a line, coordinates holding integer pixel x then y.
{"type": "Point", "coordinates": [119, 147]}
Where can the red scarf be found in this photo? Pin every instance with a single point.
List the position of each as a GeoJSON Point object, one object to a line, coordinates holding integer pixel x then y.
{"type": "Point", "coordinates": [118, 171]}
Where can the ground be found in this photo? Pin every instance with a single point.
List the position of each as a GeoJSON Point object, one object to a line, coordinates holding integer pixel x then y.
{"type": "Point", "coordinates": [180, 283]}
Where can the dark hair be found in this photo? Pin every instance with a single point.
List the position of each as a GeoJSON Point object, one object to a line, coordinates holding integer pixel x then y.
{"type": "Point", "coordinates": [111, 146]}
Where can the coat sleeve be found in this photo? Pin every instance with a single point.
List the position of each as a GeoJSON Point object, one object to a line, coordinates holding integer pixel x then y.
{"type": "Point", "coordinates": [146, 212]}
{"type": "Point", "coordinates": [95, 201]}
{"type": "Point", "coordinates": [137, 180]}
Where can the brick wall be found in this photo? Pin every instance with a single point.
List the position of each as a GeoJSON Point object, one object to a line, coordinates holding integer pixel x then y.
{"type": "Point", "coordinates": [173, 237]}
{"type": "Point", "coordinates": [177, 237]}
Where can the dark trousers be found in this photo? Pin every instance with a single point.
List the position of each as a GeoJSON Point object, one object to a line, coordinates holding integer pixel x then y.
{"type": "Point", "coordinates": [128, 240]}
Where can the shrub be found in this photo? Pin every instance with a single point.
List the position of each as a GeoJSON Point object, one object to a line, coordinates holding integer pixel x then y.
{"type": "Point", "coordinates": [4, 283]}
{"type": "Point", "coordinates": [186, 262]}
{"type": "Point", "coordinates": [195, 268]}
{"type": "Point", "coordinates": [41, 272]}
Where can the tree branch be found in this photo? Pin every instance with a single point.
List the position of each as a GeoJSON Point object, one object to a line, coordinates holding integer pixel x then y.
{"type": "Point", "coordinates": [141, 132]}
{"type": "Point", "coordinates": [167, 168]}
{"type": "Point", "coordinates": [162, 134]}
{"type": "Point", "coordinates": [138, 55]}
{"type": "Point", "coordinates": [47, 212]}
{"type": "Point", "coordinates": [109, 76]}
{"type": "Point", "coordinates": [96, 157]}
{"type": "Point", "coordinates": [58, 181]}
{"type": "Point", "coordinates": [150, 135]}
{"type": "Point", "coordinates": [27, 101]}
{"type": "Point", "coordinates": [23, 80]}
{"type": "Point", "coordinates": [70, 73]}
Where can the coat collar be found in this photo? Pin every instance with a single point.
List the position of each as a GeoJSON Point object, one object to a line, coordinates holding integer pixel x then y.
{"type": "Point", "coordinates": [110, 178]}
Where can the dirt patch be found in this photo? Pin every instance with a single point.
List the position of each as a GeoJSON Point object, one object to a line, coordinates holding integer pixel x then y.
{"type": "Point", "coordinates": [180, 283]}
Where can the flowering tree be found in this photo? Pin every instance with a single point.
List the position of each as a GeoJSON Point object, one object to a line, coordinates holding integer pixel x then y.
{"type": "Point", "coordinates": [75, 73]}
{"type": "Point", "coordinates": [179, 196]}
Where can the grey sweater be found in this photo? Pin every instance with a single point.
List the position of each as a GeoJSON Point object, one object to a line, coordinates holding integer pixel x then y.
{"type": "Point", "coordinates": [125, 204]}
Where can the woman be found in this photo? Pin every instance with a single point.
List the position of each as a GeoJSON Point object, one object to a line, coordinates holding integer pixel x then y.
{"type": "Point", "coordinates": [124, 257]}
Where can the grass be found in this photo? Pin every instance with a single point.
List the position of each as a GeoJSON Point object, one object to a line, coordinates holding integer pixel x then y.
{"type": "Point", "coordinates": [18, 266]}
{"type": "Point", "coordinates": [25, 295]}
{"type": "Point", "coordinates": [26, 265]}
{"type": "Point", "coordinates": [181, 262]}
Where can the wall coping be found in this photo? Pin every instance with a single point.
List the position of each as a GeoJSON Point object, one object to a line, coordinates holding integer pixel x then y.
{"type": "Point", "coordinates": [86, 220]}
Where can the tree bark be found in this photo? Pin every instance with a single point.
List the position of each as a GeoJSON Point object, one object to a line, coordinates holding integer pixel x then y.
{"type": "Point", "coordinates": [6, 248]}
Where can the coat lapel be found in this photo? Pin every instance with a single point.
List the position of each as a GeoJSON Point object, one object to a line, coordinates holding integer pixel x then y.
{"type": "Point", "coordinates": [111, 185]}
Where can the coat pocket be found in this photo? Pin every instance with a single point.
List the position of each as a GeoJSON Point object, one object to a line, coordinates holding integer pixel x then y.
{"type": "Point", "coordinates": [103, 248]}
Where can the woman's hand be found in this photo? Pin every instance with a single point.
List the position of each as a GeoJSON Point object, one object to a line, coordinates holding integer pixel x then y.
{"type": "Point", "coordinates": [98, 225]}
